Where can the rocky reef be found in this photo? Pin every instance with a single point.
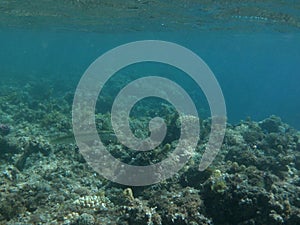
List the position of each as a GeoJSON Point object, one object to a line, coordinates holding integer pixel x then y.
{"type": "Point", "coordinates": [255, 179]}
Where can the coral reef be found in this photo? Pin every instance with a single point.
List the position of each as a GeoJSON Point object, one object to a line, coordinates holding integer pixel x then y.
{"type": "Point", "coordinates": [44, 179]}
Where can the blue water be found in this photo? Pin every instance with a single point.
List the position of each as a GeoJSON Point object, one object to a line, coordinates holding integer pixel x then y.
{"type": "Point", "coordinates": [259, 73]}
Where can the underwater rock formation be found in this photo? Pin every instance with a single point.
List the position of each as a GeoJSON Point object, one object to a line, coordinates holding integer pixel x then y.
{"type": "Point", "coordinates": [255, 178]}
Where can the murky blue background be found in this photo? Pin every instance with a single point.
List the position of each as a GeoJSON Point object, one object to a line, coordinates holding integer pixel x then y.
{"type": "Point", "coordinates": [259, 73]}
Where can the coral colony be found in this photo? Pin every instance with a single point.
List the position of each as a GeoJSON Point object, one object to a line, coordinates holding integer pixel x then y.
{"type": "Point", "coordinates": [4, 129]}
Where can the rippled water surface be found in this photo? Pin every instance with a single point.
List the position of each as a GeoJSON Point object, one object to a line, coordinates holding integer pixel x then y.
{"type": "Point", "coordinates": [151, 15]}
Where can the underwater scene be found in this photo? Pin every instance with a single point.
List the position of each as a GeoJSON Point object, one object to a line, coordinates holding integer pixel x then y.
{"type": "Point", "coordinates": [149, 112]}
